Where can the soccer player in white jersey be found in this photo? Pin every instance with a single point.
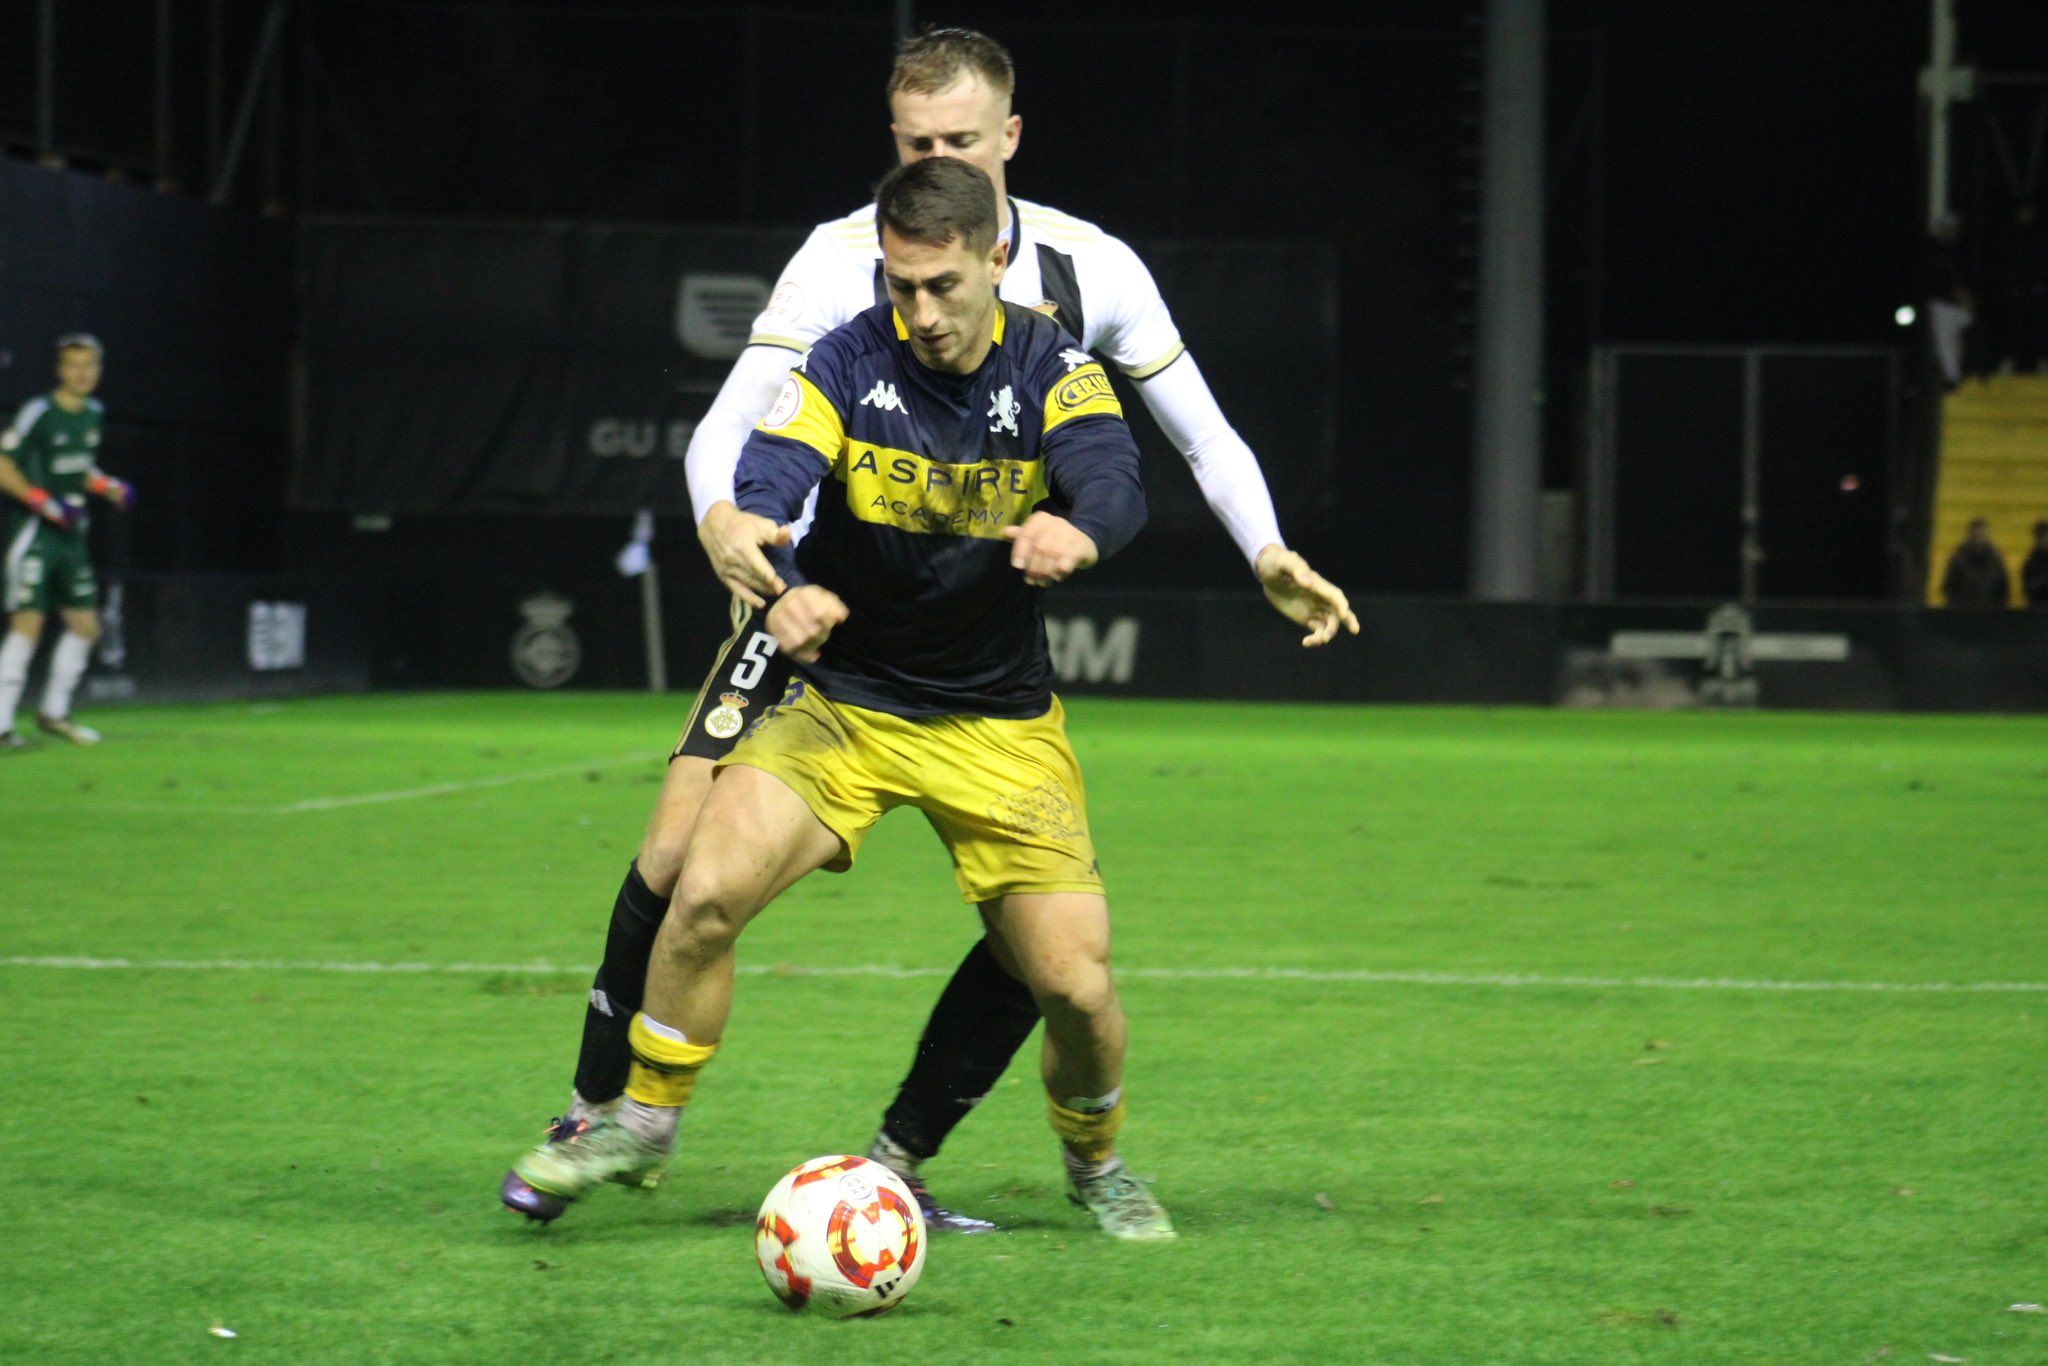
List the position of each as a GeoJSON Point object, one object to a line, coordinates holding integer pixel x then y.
{"type": "Point", "coordinates": [949, 95]}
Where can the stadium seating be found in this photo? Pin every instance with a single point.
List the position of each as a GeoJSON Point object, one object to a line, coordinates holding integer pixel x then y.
{"type": "Point", "coordinates": [1994, 465]}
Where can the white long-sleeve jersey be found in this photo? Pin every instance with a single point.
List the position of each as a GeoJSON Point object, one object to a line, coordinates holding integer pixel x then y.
{"type": "Point", "coordinates": [1102, 293]}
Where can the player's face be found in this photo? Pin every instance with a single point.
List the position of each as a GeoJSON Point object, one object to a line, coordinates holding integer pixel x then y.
{"type": "Point", "coordinates": [78, 370]}
{"type": "Point", "coordinates": [966, 120]}
{"type": "Point", "coordinates": [946, 297]}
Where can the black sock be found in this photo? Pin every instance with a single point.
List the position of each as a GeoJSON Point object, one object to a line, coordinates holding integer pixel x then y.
{"type": "Point", "coordinates": [615, 993]}
{"type": "Point", "coordinates": [982, 1019]}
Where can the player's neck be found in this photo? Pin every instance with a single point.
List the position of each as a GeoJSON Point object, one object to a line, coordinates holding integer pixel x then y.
{"type": "Point", "coordinates": [68, 401]}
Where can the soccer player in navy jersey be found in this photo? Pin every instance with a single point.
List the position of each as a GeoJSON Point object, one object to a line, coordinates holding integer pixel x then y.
{"type": "Point", "coordinates": [939, 424]}
{"type": "Point", "coordinates": [950, 97]}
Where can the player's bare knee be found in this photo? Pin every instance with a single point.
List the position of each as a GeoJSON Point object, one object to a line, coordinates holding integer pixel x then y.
{"type": "Point", "coordinates": [1076, 996]}
{"type": "Point", "coordinates": [705, 919]}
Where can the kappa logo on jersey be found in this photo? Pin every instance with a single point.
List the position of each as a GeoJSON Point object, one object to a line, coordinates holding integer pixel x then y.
{"type": "Point", "coordinates": [883, 396]}
{"type": "Point", "coordinates": [1003, 407]}
{"type": "Point", "coordinates": [60, 438]}
{"type": "Point", "coordinates": [1074, 359]}
{"type": "Point", "coordinates": [788, 404]}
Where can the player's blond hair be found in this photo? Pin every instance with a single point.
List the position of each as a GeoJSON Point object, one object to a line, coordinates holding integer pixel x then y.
{"type": "Point", "coordinates": [937, 57]}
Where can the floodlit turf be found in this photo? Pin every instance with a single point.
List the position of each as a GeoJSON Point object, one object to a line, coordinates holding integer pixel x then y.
{"type": "Point", "coordinates": [1441, 1143]}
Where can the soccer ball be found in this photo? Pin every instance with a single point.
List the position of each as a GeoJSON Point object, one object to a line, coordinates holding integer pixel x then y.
{"type": "Point", "coordinates": [840, 1236]}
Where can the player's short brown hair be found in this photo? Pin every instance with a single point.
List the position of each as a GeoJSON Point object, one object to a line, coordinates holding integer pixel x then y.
{"type": "Point", "coordinates": [936, 200]}
{"type": "Point", "coordinates": [937, 57]}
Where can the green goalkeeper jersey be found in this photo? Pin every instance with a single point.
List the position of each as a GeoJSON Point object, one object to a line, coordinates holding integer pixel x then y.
{"type": "Point", "coordinates": [57, 451]}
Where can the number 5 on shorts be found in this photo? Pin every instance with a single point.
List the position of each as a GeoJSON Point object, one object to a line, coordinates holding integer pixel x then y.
{"type": "Point", "coordinates": [753, 660]}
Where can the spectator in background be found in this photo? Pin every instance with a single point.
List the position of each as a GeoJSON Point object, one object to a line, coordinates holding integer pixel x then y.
{"type": "Point", "coordinates": [1976, 575]}
{"type": "Point", "coordinates": [2034, 573]}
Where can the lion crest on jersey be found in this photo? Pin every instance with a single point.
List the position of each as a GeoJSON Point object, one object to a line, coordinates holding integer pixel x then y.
{"type": "Point", "coordinates": [1003, 407]}
{"type": "Point", "coordinates": [724, 721]}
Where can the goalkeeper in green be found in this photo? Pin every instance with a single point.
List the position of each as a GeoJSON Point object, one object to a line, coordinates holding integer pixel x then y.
{"type": "Point", "coordinates": [49, 463]}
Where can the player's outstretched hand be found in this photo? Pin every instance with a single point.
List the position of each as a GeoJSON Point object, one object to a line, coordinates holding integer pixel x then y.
{"type": "Point", "coordinates": [1304, 597]}
{"type": "Point", "coordinates": [802, 620]}
{"type": "Point", "coordinates": [732, 541]}
{"type": "Point", "coordinates": [1048, 548]}
{"type": "Point", "coordinates": [119, 492]}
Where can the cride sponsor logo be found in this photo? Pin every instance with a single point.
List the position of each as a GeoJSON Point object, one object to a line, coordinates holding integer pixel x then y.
{"type": "Point", "coordinates": [1081, 386]}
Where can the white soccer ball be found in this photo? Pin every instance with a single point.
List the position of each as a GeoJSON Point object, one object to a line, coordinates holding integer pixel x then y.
{"type": "Point", "coordinates": [840, 1236]}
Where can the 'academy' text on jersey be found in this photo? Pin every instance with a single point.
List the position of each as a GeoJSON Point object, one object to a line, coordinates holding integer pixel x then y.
{"type": "Point", "coordinates": [910, 531]}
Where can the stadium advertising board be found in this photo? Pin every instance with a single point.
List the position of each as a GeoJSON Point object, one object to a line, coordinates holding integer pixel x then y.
{"type": "Point", "coordinates": [214, 637]}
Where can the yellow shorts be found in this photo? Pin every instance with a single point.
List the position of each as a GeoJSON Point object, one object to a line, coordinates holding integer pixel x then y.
{"type": "Point", "coordinates": [1004, 795]}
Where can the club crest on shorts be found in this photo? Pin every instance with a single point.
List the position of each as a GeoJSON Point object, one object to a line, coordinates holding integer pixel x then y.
{"type": "Point", "coordinates": [724, 721]}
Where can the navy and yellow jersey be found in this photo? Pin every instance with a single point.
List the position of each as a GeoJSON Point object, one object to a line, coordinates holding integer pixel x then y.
{"type": "Point", "coordinates": [926, 471]}
{"type": "Point", "coordinates": [55, 450]}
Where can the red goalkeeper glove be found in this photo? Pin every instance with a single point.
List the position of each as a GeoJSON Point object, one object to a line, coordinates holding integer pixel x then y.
{"type": "Point", "coordinates": [119, 492]}
{"type": "Point", "coordinates": [55, 511]}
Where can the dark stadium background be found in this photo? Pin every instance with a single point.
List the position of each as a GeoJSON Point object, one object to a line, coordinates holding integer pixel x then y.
{"type": "Point", "coordinates": [1742, 172]}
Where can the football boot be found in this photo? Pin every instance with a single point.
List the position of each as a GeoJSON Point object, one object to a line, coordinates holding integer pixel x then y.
{"type": "Point", "coordinates": [936, 1216]}
{"type": "Point", "coordinates": [1122, 1205]}
{"type": "Point", "coordinates": [67, 729]}
{"type": "Point", "coordinates": [573, 1157]}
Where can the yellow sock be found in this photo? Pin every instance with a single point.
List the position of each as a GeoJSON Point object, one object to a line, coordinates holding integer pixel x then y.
{"type": "Point", "coordinates": [664, 1065]}
{"type": "Point", "coordinates": [1089, 1134]}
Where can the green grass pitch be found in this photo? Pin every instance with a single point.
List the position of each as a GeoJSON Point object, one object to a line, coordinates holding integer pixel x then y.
{"type": "Point", "coordinates": [1457, 1035]}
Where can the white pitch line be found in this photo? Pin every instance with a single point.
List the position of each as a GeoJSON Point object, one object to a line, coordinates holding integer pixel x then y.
{"type": "Point", "coordinates": [468, 785]}
{"type": "Point", "coordinates": [364, 798]}
{"type": "Point", "coordinates": [1360, 975]}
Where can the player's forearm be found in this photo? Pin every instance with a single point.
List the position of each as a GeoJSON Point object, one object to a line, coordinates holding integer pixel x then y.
{"type": "Point", "coordinates": [12, 482]}
{"type": "Point", "coordinates": [774, 479]}
{"type": "Point", "coordinates": [712, 461]}
{"type": "Point", "coordinates": [1104, 496]}
{"type": "Point", "coordinates": [1223, 465]}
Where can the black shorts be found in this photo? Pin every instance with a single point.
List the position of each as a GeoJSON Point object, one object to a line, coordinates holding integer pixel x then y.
{"type": "Point", "coordinates": [748, 675]}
